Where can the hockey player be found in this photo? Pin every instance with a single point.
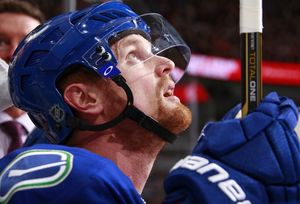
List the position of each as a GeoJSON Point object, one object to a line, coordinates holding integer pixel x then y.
{"type": "Point", "coordinates": [99, 82]}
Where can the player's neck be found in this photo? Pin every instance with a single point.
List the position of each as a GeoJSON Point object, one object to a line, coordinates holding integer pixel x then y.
{"type": "Point", "coordinates": [131, 148]}
{"type": "Point", "coordinates": [137, 166]}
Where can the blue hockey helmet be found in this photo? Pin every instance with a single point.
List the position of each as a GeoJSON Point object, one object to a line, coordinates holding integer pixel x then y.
{"type": "Point", "coordinates": [83, 37]}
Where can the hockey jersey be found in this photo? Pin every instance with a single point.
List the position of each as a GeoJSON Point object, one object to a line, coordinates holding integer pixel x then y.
{"type": "Point", "coordinates": [46, 173]}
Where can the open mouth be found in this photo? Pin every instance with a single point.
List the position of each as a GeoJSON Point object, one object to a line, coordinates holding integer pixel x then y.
{"type": "Point", "coordinates": [169, 92]}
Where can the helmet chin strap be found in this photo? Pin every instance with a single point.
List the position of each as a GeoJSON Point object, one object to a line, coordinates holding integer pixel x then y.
{"type": "Point", "coordinates": [131, 112]}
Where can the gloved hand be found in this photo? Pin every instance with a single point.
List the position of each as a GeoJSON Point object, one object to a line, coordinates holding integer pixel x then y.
{"type": "Point", "coordinates": [255, 159]}
{"type": "Point", "coordinates": [5, 100]}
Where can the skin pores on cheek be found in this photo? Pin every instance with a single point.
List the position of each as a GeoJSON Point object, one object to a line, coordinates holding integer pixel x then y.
{"type": "Point", "coordinates": [145, 93]}
{"type": "Point", "coordinates": [113, 98]}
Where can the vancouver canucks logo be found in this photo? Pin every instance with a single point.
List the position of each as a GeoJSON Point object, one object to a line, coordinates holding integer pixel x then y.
{"type": "Point", "coordinates": [34, 169]}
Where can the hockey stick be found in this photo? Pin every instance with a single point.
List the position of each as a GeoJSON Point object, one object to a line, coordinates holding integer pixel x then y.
{"type": "Point", "coordinates": [251, 53]}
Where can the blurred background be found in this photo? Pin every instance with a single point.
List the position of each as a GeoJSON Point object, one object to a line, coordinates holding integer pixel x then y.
{"type": "Point", "coordinates": [212, 85]}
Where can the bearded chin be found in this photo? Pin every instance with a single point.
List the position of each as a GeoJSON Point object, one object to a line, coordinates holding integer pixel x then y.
{"type": "Point", "coordinates": [175, 119]}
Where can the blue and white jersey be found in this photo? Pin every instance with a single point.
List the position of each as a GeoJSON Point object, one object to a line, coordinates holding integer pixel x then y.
{"type": "Point", "coordinates": [59, 174]}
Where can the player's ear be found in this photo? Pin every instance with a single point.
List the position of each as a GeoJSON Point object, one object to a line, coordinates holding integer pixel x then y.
{"type": "Point", "coordinates": [83, 98]}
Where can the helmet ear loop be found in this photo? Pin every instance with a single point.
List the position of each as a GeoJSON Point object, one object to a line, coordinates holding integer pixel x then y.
{"type": "Point", "coordinates": [121, 81]}
{"type": "Point", "coordinates": [79, 124]}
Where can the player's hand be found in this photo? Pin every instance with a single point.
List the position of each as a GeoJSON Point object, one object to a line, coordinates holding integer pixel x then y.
{"type": "Point", "coordinates": [5, 100]}
{"type": "Point", "coordinates": [255, 159]}
{"type": "Point", "coordinates": [262, 145]}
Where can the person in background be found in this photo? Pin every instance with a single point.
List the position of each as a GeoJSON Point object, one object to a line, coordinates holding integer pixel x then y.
{"type": "Point", "coordinates": [17, 19]}
{"type": "Point", "coordinates": [100, 84]}
{"type": "Point", "coordinates": [5, 100]}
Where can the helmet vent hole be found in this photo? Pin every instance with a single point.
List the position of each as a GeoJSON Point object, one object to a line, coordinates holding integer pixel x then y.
{"type": "Point", "coordinates": [110, 15]}
{"type": "Point", "coordinates": [24, 81]}
{"type": "Point", "coordinates": [53, 37]}
{"type": "Point", "coordinates": [77, 18]}
{"type": "Point", "coordinates": [100, 17]}
{"type": "Point", "coordinates": [107, 16]}
{"type": "Point", "coordinates": [36, 58]}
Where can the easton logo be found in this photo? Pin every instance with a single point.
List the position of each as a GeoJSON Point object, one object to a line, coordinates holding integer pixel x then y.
{"type": "Point", "coordinates": [221, 177]}
{"type": "Point", "coordinates": [34, 169]}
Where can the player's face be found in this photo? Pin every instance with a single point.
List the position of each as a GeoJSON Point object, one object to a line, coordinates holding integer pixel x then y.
{"type": "Point", "coordinates": [148, 76]}
{"type": "Point", "coordinates": [13, 28]}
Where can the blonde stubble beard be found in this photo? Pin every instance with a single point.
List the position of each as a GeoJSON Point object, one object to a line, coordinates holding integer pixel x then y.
{"type": "Point", "coordinates": [176, 118]}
